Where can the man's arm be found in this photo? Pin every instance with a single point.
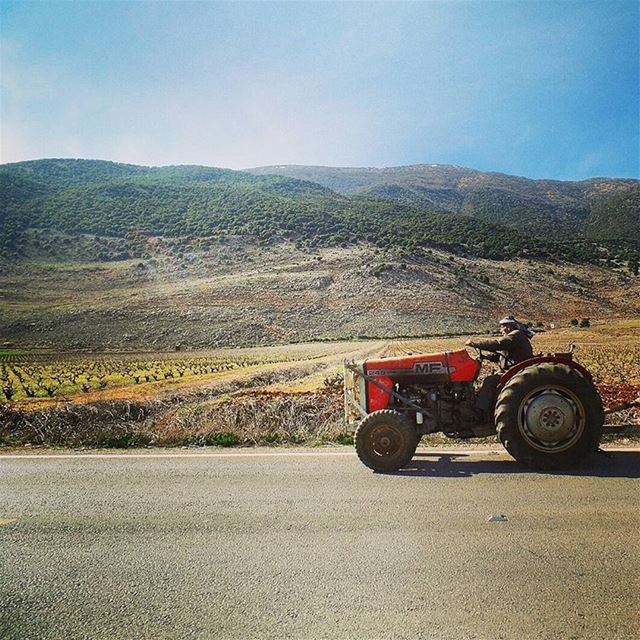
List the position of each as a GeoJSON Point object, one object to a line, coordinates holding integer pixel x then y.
{"type": "Point", "coordinates": [504, 343]}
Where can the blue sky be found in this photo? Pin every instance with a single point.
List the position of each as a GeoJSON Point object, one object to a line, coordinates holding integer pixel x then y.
{"type": "Point", "coordinates": [540, 89]}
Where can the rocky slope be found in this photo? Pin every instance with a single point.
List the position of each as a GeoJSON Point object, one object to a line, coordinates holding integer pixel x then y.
{"type": "Point", "coordinates": [239, 293]}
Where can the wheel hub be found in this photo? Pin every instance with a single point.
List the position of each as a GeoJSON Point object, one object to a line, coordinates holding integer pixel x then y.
{"type": "Point", "coordinates": [386, 441]}
{"type": "Point", "coordinates": [550, 417]}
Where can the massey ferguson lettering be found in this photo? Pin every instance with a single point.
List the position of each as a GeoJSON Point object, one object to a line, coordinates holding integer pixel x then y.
{"type": "Point", "coordinates": [433, 368]}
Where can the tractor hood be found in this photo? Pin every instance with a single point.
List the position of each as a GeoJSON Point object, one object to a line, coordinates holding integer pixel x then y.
{"type": "Point", "coordinates": [457, 366]}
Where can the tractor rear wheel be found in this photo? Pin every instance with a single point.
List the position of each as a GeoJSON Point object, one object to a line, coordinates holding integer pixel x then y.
{"type": "Point", "coordinates": [549, 416]}
{"type": "Point", "coordinates": [386, 440]}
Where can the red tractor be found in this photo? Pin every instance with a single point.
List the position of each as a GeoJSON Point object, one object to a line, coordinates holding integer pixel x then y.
{"type": "Point", "coordinates": [547, 411]}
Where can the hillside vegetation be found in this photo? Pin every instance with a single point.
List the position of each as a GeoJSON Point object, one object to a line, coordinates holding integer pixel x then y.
{"type": "Point", "coordinates": [568, 210]}
{"type": "Point", "coordinates": [404, 208]}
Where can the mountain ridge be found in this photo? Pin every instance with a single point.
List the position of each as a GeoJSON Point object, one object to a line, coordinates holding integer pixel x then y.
{"type": "Point", "coordinates": [523, 203]}
{"type": "Point", "coordinates": [422, 165]}
{"type": "Point", "coordinates": [443, 206]}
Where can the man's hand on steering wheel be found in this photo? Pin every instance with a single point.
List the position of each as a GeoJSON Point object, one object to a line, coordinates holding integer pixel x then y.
{"type": "Point", "coordinates": [472, 344]}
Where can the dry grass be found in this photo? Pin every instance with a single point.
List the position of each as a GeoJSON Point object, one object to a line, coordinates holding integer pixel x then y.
{"type": "Point", "coordinates": [103, 424]}
{"type": "Point", "coordinates": [256, 418]}
{"type": "Point", "coordinates": [259, 418]}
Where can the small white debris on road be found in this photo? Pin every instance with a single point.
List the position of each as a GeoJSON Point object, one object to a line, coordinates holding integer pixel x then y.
{"type": "Point", "coordinates": [498, 517]}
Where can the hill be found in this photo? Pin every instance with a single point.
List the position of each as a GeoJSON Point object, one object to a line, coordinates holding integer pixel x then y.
{"type": "Point", "coordinates": [495, 216]}
{"type": "Point", "coordinates": [534, 206]}
{"type": "Point", "coordinates": [100, 255]}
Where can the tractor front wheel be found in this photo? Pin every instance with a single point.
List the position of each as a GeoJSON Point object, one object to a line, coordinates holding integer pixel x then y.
{"type": "Point", "coordinates": [386, 441]}
{"type": "Point", "coordinates": [549, 416]}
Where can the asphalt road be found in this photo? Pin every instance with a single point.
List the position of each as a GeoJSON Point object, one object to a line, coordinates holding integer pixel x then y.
{"type": "Point", "coordinates": [313, 545]}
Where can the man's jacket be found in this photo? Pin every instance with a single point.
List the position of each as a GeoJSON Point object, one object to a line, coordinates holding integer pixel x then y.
{"type": "Point", "coordinates": [513, 348]}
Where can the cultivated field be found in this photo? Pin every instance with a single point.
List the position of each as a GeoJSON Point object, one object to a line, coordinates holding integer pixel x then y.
{"type": "Point", "coordinates": [280, 394]}
{"type": "Point", "coordinates": [46, 379]}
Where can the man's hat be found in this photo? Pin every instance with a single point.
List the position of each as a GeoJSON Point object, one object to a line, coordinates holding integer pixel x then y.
{"type": "Point", "coordinates": [509, 320]}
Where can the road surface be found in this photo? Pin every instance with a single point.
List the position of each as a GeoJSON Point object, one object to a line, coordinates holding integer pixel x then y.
{"type": "Point", "coordinates": [310, 544]}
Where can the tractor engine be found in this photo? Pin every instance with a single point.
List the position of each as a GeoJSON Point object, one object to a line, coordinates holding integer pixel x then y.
{"type": "Point", "coordinates": [450, 407]}
{"type": "Point", "coordinates": [438, 388]}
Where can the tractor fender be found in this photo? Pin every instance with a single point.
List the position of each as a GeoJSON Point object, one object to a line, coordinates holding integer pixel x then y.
{"type": "Point", "coordinates": [539, 359]}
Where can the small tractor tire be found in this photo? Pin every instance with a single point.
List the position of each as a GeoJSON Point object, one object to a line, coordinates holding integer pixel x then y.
{"type": "Point", "coordinates": [549, 416]}
{"type": "Point", "coordinates": [386, 441]}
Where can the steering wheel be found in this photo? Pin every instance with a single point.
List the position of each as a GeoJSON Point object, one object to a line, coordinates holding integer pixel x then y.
{"type": "Point", "coordinates": [479, 353]}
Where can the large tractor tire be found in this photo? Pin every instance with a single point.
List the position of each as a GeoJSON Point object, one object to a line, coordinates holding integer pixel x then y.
{"type": "Point", "coordinates": [386, 441]}
{"type": "Point", "coordinates": [549, 416]}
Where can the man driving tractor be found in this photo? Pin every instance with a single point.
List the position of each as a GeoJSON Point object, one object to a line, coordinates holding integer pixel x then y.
{"type": "Point", "coordinates": [512, 347]}
{"type": "Point", "coordinates": [544, 409]}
